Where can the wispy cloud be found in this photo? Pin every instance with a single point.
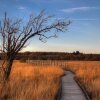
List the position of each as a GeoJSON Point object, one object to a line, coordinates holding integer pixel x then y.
{"type": "Point", "coordinates": [71, 10]}
{"type": "Point", "coordinates": [78, 19]}
{"type": "Point", "coordinates": [88, 19]}
{"type": "Point", "coordinates": [22, 8]}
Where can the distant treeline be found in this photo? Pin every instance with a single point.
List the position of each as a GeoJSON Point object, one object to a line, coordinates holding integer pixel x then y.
{"type": "Point", "coordinates": [56, 56]}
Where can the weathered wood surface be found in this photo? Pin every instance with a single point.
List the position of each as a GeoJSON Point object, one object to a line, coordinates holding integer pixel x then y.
{"type": "Point", "coordinates": [70, 89]}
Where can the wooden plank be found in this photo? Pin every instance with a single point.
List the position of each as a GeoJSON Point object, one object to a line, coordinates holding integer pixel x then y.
{"type": "Point", "coordinates": [70, 89]}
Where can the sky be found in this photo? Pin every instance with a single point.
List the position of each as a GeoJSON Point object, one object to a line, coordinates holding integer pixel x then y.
{"type": "Point", "coordinates": [83, 34]}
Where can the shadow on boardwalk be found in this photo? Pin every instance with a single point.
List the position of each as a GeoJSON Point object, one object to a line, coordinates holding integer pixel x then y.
{"type": "Point", "coordinates": [70, 88]}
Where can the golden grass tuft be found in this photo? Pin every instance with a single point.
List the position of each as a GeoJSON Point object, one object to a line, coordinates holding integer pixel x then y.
{"type": "Point", "coordinates": [88, 73]}
{"type": "Point", "coordinates": [28, 82]}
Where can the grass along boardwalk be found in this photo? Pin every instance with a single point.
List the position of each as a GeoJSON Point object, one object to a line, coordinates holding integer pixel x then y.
{"type": "Point", "coordinates": [70, 89]}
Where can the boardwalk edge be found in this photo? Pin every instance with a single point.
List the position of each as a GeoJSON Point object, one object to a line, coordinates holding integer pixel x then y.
{"type": "Point", "coordinates": [83, 89]}
{"type": "Point", "coordinates": [59, 92]}
{"type": "Point", "coordinates": [60, 89]}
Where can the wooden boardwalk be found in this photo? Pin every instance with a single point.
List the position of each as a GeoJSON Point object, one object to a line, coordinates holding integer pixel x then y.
{"type": "Point", "coordinates": [70, 89]}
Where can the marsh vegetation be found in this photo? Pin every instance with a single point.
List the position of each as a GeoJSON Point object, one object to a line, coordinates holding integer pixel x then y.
{"type": "Point", "coordinates": [40, 80]}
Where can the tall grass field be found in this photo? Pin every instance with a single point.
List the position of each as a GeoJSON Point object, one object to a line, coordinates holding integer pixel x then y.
{"type": "Point", "coordinates": [40, 80]}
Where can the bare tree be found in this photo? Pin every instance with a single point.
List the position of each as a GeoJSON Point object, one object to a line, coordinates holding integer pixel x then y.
{"type": "Point", "coordinates": [14, 35]}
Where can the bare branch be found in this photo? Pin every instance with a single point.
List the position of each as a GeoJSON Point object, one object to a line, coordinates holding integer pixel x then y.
{"type": "Point", "coordinates": [14, 35]}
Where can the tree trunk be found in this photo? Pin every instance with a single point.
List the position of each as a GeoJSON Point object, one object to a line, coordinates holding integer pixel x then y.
{"type": "Point", "coordinates": [8, 69]}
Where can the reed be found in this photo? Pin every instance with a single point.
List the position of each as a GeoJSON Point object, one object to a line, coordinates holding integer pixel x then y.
{"type": "Point", "coordinates": [88, 73]}
{"type": "Point", "coordinates": [34, 83]}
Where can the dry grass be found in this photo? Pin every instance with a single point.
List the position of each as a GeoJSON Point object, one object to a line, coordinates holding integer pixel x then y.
{"type": "Point", "coordinates": [88, 73]}
{"type": "Point", "coordinates": [40, 80]}
{"type": "Point", "coordinates": [31, 83]}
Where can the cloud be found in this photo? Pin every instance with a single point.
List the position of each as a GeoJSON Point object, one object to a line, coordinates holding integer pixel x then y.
{"type": "Point", "coordinates": [22, 8]}
{"type": "Point", "coordinates": [78, 19]}
{"type": "Point", "coordinates": [71, 10]}
{"type": "Point", "coordinates": [86, 19]}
